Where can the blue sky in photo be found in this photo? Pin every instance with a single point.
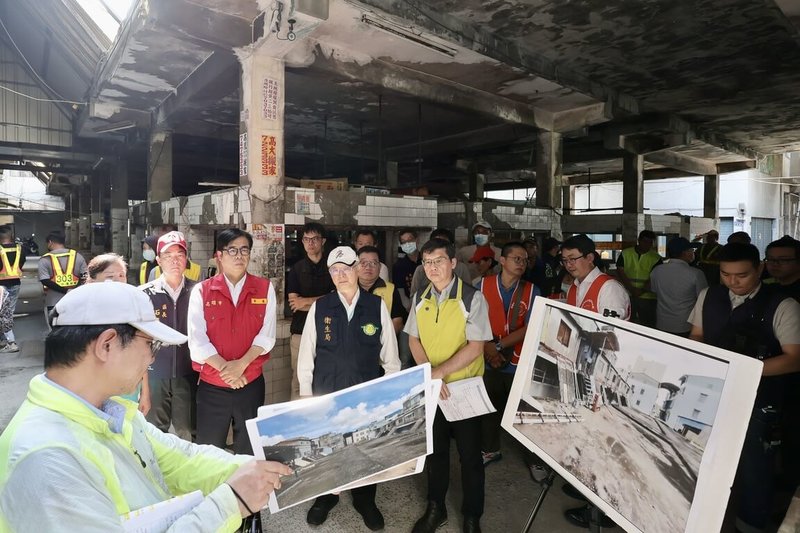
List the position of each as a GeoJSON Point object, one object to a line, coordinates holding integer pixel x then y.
{"type": "Point", "coordinates": [344, 412]}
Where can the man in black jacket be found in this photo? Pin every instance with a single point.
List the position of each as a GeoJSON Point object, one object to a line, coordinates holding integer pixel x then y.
{"type": "Point", "coordinates": [172, 380]}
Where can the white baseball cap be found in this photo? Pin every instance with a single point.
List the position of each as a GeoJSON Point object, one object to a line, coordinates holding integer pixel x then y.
{"type": "Point", "coordinates": [112, 302]}
{"type": "Point", "coordinates": [342, 254]}
{"type": "Point", "coordinates": [483, 224]}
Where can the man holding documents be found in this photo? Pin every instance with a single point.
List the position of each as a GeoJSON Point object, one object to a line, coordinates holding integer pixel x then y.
{"type": "Point", "coordinates": [77, 457]}
{"type": "Point", "coordinates": [447, 326]}
{"type": "Point", "coordinates": [348, 336]}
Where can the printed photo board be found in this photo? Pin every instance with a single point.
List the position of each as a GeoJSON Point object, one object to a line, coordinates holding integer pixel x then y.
{"type": "Point", "coordinates": [647, 425]}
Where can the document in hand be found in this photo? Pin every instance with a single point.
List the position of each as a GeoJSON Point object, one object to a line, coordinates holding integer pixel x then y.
{"type": "Point", "coordinates": [337, 441]}
{"type": "Point", "coordinates": [158, 517]}
{"type": "Point", "coordinates": [468, 398]}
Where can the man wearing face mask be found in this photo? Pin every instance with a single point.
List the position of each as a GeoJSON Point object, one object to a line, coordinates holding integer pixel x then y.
{"type": "Point", "coordinates": [149, 255]}
{"type": "Point", "coordinates": [404, 267]}
{"type": "Point", "coordinates": [481, 234]}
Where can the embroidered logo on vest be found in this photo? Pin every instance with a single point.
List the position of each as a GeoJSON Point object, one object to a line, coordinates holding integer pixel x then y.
{"type": "Point", "coordinates": [369, 329]}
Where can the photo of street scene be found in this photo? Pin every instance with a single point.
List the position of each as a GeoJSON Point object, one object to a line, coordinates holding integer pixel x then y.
{"type": "Point", "coordinates": [343, 437]}
{"type": "Point", "coordinates": [627, 414]}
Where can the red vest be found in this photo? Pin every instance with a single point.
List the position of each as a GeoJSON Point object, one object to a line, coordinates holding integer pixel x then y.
{"type": "Point", "coordinates": [231, 329]}
{"type": "Point", "coordinates": [590, 300]}
{"type": "Point", "coordinates": [498, 318]}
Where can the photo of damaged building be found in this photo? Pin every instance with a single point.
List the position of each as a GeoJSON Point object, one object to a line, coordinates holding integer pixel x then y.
{"type": "Point", "coordinates": [627, 414]}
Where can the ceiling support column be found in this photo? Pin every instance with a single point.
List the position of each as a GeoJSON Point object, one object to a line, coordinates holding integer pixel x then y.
{"type": "Point", "coordinates": [120, 239]}
{"type": "Point", "coordinates": [548, 169]}
{"type": "Point", "coordinates": [159, 167]}
{"type": "Point", "coordinates": [632, 196]}
{"type": "Point", "coordinates": [261, 163]}
{"type": "Point", "coordinates": [711, 196]}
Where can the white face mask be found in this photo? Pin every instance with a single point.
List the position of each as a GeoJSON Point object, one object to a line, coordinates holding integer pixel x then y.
{"type": "Point", "coordinates": [149, 255]}
{"type": "Point", "coordinates": [408, 247]}
{"type": "Point", "coordinates": [481, 240]}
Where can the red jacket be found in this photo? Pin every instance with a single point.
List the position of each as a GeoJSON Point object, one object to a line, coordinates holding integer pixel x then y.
{"type": "Point", "coordinates": [592, 296]}
{"type": "Point", "coordinates": [498, 318]}
{"type": "Point", "coordinates": [231, 329]}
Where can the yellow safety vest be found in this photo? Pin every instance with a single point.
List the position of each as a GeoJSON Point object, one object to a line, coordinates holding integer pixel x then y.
{"type": "Point", "coordinates": [387, 295]}
{"type": "Point", "coordinates": [443, 330]}
{"type": "Point", "coordinates": [707, 254]}
{"type": "Point", "coordinates": [10, 271]}
{"type": "Point", "coordinates": [50, 417]}
{"type": "Point", "coordinates": [192, 272]}
{"type": "Point", "coordinates": [638, 268]}
{"type": "Point", "coordinates": [64, 278]}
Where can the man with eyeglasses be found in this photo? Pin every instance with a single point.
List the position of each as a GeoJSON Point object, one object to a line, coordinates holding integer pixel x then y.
{"type": "Point", "coordinates": [420, 279]}
{"type": "Point", "coordinates": [447, 326]}
{"type": "Point", "coordinates": [592, 289]}
{"type": "Point", "coordinates": [173, 382]}
{"type": "Point", "coordinates": [307, 281]}
{"type": "Point", "coordinates": [510, 300]}
{"type": "Point", "coordinates": [754, 319]}
{"type": "Point", "coordinates": [783, 264]}
{"type": "Point", "coordinates": [368, 279]}
{"type": "Point", "coordinates": [78, 457]}
{"type": "Point", "coordinates": [231, 328]}
{"type": "Point", "coordinates": [348, 338]}
{"type": "Point", "coordinates": [601, 293]}
{"type": "Point", "coordinates": [367, 237]}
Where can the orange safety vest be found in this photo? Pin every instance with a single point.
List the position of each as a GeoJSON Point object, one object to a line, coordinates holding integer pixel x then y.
{"type": "Point", "coordinates": [590, 301]}
{"type": "Point", "coordinates": [498, 317]}
{"type": "Point", "coordinates": [64, 278]}
{"type": "Point", "coordinates": [10, 271]}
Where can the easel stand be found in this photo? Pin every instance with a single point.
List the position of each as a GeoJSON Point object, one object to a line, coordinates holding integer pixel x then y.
{"type": "Point", "coordinates": [547, 483]}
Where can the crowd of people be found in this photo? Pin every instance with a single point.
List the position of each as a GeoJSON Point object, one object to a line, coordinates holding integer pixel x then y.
{"type": "Point", "coordinates": [124, 424]}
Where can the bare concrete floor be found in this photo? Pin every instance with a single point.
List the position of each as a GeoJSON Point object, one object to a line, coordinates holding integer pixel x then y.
{"type": "Point", "coordinates": [510, 492]}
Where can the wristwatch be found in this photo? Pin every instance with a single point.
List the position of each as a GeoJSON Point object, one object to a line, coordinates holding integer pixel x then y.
{"type": "Point", "coordinates": [498, 346]}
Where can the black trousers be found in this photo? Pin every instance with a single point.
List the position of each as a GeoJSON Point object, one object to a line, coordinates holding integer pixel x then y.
{"type": "Point", "coordinates": [467, 434]}
{"type": "Point", "coordinates": [498, 387]}
{"type": "Point", "coordinates": [217, 407]}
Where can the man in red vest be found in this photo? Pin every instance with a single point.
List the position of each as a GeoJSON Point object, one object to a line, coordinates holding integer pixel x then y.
{"type": "Point", "coordinates": [604, 295]}
{"type": "Point", "coordinates": [510, 299]}
{"type": "Point", "coordinates": [231, 326]}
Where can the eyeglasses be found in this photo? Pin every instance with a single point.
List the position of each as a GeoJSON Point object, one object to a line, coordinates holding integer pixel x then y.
{"type": "Point", "coordinates": [365, 263]}
{"type": "Point", "coordinates": [233, 251]}
{"type": "Point", "coordinates": [571, 260]}
{"type": "Point", "coordinates": [780, 260]}
{"type": "Point", "coordinates": [438, 262]}
{"type": "Point", "coordinates": [309, 240]}
{"type": "Point", "coordinates": [340, 271]}
{"type": "Point", "coordinates": [518, 260]}
{"type": "Point", "coordinates": [155, 345]}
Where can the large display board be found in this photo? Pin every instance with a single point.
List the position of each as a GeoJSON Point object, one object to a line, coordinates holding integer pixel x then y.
{"type": "Point", "coordinates": [647, 425]}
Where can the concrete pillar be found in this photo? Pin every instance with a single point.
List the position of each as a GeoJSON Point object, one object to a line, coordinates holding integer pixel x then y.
{"type": "Point", "coordinates": [261, 163]}
{"type": "Point", "coordinates": [632, 196]}
{"type": "Point", "coordinates": [83, 243]}
{"type": "Point", "coordinates": [98, 192]}
{"type": "Point", "coordinates": [711, 196]}
{"type": "Point", "coordinates": [548, 169]}
{"type": "Point", "coordinates": [476, 182]}
{"type": "Point", "coordinates": [159, 167]}
{"type": "Point", "coordinates": [73, 216]}
{"type": "Point", "coordinates": [391, 174]}
{"type": "Point", "coordinates": [120, 241]}
{"type": "Point", "coordinates": [567, 199]}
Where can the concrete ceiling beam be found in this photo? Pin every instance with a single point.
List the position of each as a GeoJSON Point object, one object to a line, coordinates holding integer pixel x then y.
{"type": "Point", "coordinates": [682, 162]}
{"type": "Point", "coordinates": [609, 177]}
{"type": "Point", "coordinates": [430, 88]}
{"type": "Point", "coordinates": [724, 168]}
{"type": "Point", "coordinates": [211, 80]}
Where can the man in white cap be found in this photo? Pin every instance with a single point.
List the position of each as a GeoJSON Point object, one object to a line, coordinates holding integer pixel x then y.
{"type": "Point", "coordinates": [348, 337]}
{"type": "Point", "coordinates": [77, 457]}
{"type": "Point", "coordinates": [481, 237]}
{"type": "Point", "coordinates": [172, 380]}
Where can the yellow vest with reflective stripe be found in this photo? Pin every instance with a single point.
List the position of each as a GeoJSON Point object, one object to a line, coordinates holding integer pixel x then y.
{"type": "Point", "coordinates": [10, 271]}
{"type": "Point", "coordinates": [387, 295]}
{"type": "Point", "coordinates": [192, 272]}
{"type": "Point", "coordinates": [638, 268]}
{"type": "Point", "coordinates": [64, 278]}
{"type": "Point", "coordinates": [443, 330]}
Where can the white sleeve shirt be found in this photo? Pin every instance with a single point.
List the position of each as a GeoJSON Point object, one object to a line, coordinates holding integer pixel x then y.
{"type": "Point", "coordinates": [201, 347]}
{"type": "Point", "coordinates": [389, 356]}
